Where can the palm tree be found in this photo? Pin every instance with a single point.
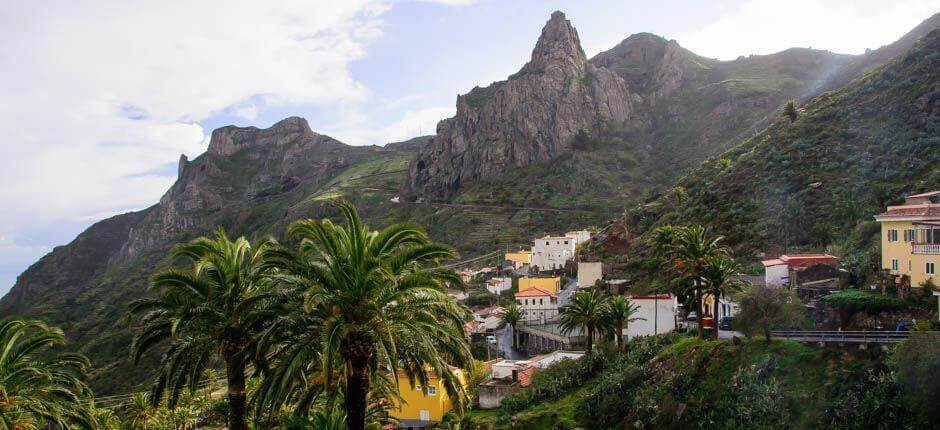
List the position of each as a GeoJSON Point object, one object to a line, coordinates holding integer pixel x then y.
{"type": "Point", "coordinates": [39, 387]}
{"type": "Point", "coordinates": [688, 249]}
{"type": "Point", "coordinates": [139, 411]}
{"type": "Point", "coordinates": [217, 310]}
{"type": "Point", "coordinates": [511, 316]}
{"type": "Point", "coordinates": [374, 302]}
{"type": "Point", "coordinates": [586, 311]}
{"type": "Point", "coordinates": [620, 311]}
{"type": "Point", "coordinates": [719, 277]}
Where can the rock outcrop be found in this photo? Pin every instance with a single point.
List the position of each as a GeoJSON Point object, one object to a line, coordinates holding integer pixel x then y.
{"type": "Point", "coordinates": [531, 117]}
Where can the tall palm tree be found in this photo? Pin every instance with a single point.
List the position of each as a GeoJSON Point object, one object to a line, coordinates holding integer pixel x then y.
{"type": "Point", "coordinates": [139, 411]}
{"type": "Point", "coordinates": [586, 310]}
{"type": "Point", "coordinates": [215, 311]}
{"type": "Point", "coordinates": [720, 281]}
{"type": "Point", "coordinates": [688, 249]}
{"type": "Point", "coordinates": [620, 313]}
{"type": "Point", "coordinates": [374, 301]}
{"type": "Point", "coordinates": [37, 386]}
{"type": "Point", "coordinates": [511, 317]}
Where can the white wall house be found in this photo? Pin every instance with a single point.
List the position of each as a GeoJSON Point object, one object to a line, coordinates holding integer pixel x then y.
{"type": "Point", "coordinates": [538, 306]}
{"type": "Point", "coordinates": [658, 313]}
{"type": "Point", "coordinates": [776, 273]}
{"type": "Point", "coordinates": [552, 252]}
{"type": "Point", "coordinates": [579, 236]}
{"type": "Point", "coordinates": [498, 285]}
{"type": "Point", "coordinates": [589, 273]}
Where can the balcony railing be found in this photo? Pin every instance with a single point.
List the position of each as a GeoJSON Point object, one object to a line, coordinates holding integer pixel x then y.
{"type": "Point", "coordinates": [926, 248]}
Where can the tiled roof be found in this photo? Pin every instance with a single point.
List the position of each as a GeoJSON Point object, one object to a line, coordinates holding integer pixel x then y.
{"type": "Point", "coordinates": [535, 292]}
{"type": "Point", "coordinates": [774, 262]}
{"type": "Point", "coordinates": [919, 210]}
{"type": "Point", "coordinates": [525, 376]}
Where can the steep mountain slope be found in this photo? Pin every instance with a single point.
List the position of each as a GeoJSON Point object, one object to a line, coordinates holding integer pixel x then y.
{"type": "Point", "coordinates": [818, 181]}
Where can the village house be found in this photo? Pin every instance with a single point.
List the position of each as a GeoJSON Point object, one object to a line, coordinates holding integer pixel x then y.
{"type": "Point", "coordinates": [506, 377]}
{"type": "Point", "coordinates": [589, 274]}
{"type": "Point", "coordinates": [537, 305]}
{"type": "Point", "coordinates": [784, 271]}
{"type": "Point", "coordinates": [519, 258]}
{"type": "Point", "coordinates": [548, 284]}
{"type": "Point", "coordinates": [421, 406]}
{"type": "Point", "coordinates": [498, 285]}
{"type": "Point", "coordinates": [910, 237]}
{"type": "Point", "coordinates": [579, 236]}
{"type": "Point", "coordinates": [551, 253]}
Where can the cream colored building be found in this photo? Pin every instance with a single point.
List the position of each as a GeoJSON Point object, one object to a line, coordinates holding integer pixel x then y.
{"type": "Point", "coordinates": [910, 238]}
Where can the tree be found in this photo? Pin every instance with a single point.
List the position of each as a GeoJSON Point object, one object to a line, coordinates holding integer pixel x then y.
{"type": "Point", "coordinates": [688, 250]}
{"type": "Point", "coordinates": [916, 362]}
{"type": "Point", "coordinates": [790, 111]}
{"type": "Point", "coordinates": [850, 302]}
{"type": "Point", "coordinates": [216, 310]}
{"type": "Point", "coordinates": [620, 311]}
{"type": "Point", "coordinates": [719, 279]}
{"type": "Point", "coordinates": [586, 311]}
{"type": "Point", "coordinates": [765, 308]}
{"type": "Point", "coordinates": [139, 411]}
{"type": "Point", "coordinates": [511, 316]}
{"type": "Point", "coordinates": [40, 387]}
{"type": "Point", "coordinates": [373, 302]}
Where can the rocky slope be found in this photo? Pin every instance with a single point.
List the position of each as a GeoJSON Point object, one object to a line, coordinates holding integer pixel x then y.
{"type": "Point", "coordinates": [531, 117]}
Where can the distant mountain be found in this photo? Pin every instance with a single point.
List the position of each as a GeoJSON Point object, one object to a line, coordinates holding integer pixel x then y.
{"type": "Point", "coordinates": [565, 142]}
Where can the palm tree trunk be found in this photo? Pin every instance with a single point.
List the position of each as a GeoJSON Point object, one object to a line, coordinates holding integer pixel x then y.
{"type": "Point", "coordinates": [715, 313]}
{"type": "Point", "coordinates": [237, 396]}
{"type": "Point", "coordinates": [357, 388]}
{"type": "Point", "coordinates": [620, 336]}
{"type": "Point", "coordinates": [698, 310]}
{"type": "Point", "coordinates": [590, 339]}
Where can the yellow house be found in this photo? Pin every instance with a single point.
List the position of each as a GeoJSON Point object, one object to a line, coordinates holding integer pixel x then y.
{"type": "Point", "coordinates": [422, 406]}
{"type": "Point", "coordinates": [910, 238]}
{"type": "Point", "coordinates": [552, 285]}
{"type": "Point", "coordinates": [519, 258]}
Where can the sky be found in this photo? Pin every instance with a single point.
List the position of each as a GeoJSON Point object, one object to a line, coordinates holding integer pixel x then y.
{"type": "Point", "coordinates": [98, 99]}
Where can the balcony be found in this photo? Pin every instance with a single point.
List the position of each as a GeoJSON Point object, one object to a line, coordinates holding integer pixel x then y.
{"type": "Point", "coordinates": [925, 248]}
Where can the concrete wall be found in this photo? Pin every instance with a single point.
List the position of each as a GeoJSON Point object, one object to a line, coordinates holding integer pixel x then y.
{"type": "Point", "coordinates": [654, 321]}
{"type": "Point", "coordinates": [776, 276]}
{"type": "Point", "coordinates": [589, 273]}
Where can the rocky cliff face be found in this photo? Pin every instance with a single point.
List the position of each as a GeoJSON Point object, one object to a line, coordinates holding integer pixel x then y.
{"type": "Point", "coordinates": [531, 117]}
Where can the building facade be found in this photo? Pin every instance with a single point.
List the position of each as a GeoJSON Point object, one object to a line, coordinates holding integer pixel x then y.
{"type": "Point", "coordinates": [498, 285]}
{"type": "Point", "coordinates": [538, 306]}
{"type": "Point", "coordinates": [423, 405]}
{"type": "Point", "coordinates": [551, 253]}
{"type": "Point", "coordinates": [589, 274]}
{"type": "Point", "coordinates": [656, 315]}
{"type": "Point", "coordinates": [910, 238]}
{"type": "Point", "coordinates": [551, 285]}
{"type": "Point", "coordinates": [779, 272]}
{"type": "Point", "coordinates": [519, 258]}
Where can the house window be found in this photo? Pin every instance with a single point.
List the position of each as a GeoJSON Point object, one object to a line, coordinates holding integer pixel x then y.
{"type": "Point", "coordinates": [894, 264]}
{"type": "Point", "coordinates": [910, 235]}
{"type": "Point", "coordinates": [892, 235]}
{"type": "Point", "coordinates": [432, 391]}
{"type": "Point", "coordinates": [931, 268]}
{"type": "Point", "coordinates": [417, 388]}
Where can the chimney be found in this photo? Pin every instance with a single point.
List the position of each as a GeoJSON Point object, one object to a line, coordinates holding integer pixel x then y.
{"type": "Point", "coordinates": [515, 375]}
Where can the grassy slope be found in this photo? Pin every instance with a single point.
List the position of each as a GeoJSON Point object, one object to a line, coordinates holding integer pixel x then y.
{"type": "Point", "coordinates": [819, 180]}
{"type": "Point", "coordinates": [697, 375]}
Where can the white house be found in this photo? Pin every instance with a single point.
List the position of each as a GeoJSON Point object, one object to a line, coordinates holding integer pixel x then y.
{"type": "Point", "coordinates": [552, 252]}
{"type": "Point", "coordinates": [579, 236]}
{"type": "Point", "coordinates": [658, 313]}
{"type": "Point", "coordinates": [777, 271]}
{"type": "Point", "coordinates": [543, 361]}
{"type": "Point", "coordinates": [589, 273]}
{"type": "Point", "coordinates": [498, 285]}
{"type": "Point", "coordinates": [538, 306]}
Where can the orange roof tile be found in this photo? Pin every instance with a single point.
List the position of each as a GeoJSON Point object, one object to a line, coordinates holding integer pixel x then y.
{"type": "Point", "coordinates": [922, 211]}
{"type": "Point", "coordinates": [535, 292]}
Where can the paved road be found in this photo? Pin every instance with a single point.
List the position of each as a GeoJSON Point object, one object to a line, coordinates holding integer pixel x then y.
{"type": "Point", "coordinates": [565, 294]}
{"type": "Point", "coordinates": [504, 341]}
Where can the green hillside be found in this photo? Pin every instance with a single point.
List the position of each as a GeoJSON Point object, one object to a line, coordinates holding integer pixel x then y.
{"type": "Point", "coordinates": [816, 183]}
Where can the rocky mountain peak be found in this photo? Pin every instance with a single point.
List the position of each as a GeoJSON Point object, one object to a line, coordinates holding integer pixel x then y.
{"type": "Point", "coordinates": [558, 46]}
{"type": "Point", "coordinates": [230, 139]}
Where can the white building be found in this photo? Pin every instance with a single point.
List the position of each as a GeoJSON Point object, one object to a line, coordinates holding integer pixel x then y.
{"type": "Point", "coordinates": [579, 236]}
{"type": "Point", "coordinates": [543, 361]}
{"type": "Point", "coordinates": [498, 285]}
{"type": "Point", "coordinates": [777, 271]}
{"type": "Point", "coordinates": [552, 252]}
{"type": "Point", "coordinates": [589, 273]}
{"type": "Point", "coordinates": [658, 313]}
{"type": "Point", "coordinates": [538, 306]}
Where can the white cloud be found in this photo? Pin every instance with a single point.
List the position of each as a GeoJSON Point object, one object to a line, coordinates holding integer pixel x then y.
{"type": "Point", "coordinates": [766, 26]}
{"type": "Point", "coordinates": [94, 93]}
{"type": "Point", "coordinates": [416, 123]}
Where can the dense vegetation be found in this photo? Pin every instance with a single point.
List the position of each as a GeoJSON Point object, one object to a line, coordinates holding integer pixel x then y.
{"type": "Point", "coordinates": [678, 381]}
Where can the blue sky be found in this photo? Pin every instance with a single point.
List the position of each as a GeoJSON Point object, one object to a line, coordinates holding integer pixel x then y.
{"type": "Point", "coordinates": [99, 98]}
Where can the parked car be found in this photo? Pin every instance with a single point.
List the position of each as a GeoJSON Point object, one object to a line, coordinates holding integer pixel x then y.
{"type": "Point", "coordinates": [693, 316]}
{"type": "Point", "coordinates": [491, 339]}
{"type": "Point", "coordinates": [725, 323]}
